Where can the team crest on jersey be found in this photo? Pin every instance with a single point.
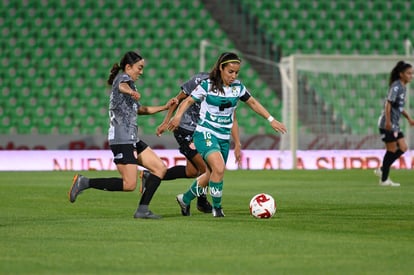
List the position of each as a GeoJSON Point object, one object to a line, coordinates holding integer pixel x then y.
{"type": "Point", "coordinates": [234, 91]}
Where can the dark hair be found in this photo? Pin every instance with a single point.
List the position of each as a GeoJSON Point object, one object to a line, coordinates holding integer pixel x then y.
{"type": "Point", "coordinates": [222, 61]}
{"type": "Point", "coordinates": [129, 58]}
{"type": "Point", "coordinates": [399, 68]}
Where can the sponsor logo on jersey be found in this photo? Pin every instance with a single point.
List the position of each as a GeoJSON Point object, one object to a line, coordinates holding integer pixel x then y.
{"type": "Point", "coordinates": [224, 120]}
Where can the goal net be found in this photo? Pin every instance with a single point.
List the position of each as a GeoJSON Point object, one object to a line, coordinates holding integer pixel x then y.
{"type": "Point", "coordinates": [334, 101]}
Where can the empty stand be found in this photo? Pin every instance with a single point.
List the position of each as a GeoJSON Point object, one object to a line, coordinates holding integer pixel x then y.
{"type": "Point", "coordinates": [61, 52]}
{"type": "Point", "coordinates": [56, 56]}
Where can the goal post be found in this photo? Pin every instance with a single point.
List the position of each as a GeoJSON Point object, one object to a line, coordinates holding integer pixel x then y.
{"type": "Point", "coordinates": [334, 95]}
{"type": "Point", "coordinates": [329, 102]}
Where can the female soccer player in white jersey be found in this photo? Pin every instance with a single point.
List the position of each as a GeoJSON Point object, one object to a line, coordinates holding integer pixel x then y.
{"type": "Point", "coordinates": [388, 123]}
{"type": "Point", "coordinates": [218, 97]}
{"type": "Point", "coordinates": [128, 150]}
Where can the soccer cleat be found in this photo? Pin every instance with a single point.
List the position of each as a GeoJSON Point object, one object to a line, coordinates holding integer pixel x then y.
{"type": "Point", "coordinates": [79, 184]}
{"type": "Point", "coordinates": [203, 205]}
{"type": "Point", "coordinates": [144, 176]}
{"type": "Point", "coordinates": [146, 215]}
{"type": "Point", "coordinates": [185, 209]}
{"type": "Point", "coordinates": [389, 182]}
{"type": "Point", "coordinates": [378, 172]}
{"type": "Point", "coordinates": [218, 212]}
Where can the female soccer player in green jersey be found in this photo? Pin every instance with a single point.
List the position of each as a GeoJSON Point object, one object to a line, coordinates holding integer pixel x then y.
{"type": "Point", "coordinates": [218, 97]}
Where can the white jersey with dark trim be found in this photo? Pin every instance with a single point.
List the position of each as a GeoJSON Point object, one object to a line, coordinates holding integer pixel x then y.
{"type": "Point", "coordinates": [217, 109]}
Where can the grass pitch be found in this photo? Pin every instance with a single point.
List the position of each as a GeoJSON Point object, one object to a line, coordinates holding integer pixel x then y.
{"type": "Point", "coordinates": [327, 222]}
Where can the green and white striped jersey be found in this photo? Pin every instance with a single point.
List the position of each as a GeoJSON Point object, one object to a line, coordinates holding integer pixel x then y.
{"type": "Point", "coordinates": [217, 109]}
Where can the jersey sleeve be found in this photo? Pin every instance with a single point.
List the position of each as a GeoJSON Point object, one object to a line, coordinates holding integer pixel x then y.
{"type": "Point", "coordinates": [393, 93]}
{"type": "Point", "coordinates": [200, 92]}
{"type": "Point", "coordinates": [191, 84]}
{"type": "Point", "coordinates": [244, 94]}
{"type": "Point", "coordinates": [125, 78]}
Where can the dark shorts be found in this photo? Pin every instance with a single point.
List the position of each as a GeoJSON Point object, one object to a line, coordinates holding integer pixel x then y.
{"type": "Point", "coordinates": [390, 136]}
{"type": "Point", "coordinates": [185, 139]}
{"type": "Point", "coordinates": [128, 153]}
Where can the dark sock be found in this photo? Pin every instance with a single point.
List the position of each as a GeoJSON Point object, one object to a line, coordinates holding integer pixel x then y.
{"type": "Point", "coordinates": [107, 184]}
{"type": "Point", "coordinates": [176, 172]}
{"type": "Point", "coordinates": [388, 160]}
{"type": "Point", "coordinates": [151, 186]}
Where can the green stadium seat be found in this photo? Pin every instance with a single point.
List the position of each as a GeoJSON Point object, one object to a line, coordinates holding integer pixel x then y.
{"type": "Point", "coordinates": [78, 36]}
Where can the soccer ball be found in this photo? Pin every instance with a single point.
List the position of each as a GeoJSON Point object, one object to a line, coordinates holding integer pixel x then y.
{"type": "Point", "coordinates": [262, 206]}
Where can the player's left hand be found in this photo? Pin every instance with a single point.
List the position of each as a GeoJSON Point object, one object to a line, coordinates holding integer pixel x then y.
{"type": "Point", "coordinates": [136, 95]}
{"type": "Point", "coordinates": [278, 126]}
{"type": "Point", "coordinates": [174, 123]}
{"type": "Point", "coordinates": [161, 128]}
{"type": "Point", "coordinates": [238, 155]}
{"type": "Point", "coordinates": [171, 102]}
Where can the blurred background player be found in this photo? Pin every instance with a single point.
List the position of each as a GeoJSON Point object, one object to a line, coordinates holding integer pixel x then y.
{"type": "Point", "coordinates": [128, 150]}
{"type": "Point", "coordinates": [218, 97]}
{"type": "Point", "coordinates": [389, 121]}
{"type": "Point", "coordinates": [195, 165]}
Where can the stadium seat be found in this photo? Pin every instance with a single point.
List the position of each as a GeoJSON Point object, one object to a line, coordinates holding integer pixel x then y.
{"type": "Point", "coordinates": [70, 38]}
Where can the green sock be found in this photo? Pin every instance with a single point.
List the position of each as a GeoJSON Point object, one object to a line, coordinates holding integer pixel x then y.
{"type": "Point", "coordinates": [193, 192]}
{"type": "Point", "coordinates": [216, 192]}
{"type": "Point", "coordinates": [190, 194]}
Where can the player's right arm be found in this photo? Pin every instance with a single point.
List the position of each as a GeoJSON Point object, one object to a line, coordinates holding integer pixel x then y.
{"type": "Point", "coordinates": [163, 126]}
{"type": "Point", "coordinates": [124, 88]}
{"type": "Point", "coordinates": [175, 121]}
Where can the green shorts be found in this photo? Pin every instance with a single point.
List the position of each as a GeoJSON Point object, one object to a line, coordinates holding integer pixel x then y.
{"type": "Point", "coordinates": [207, 143]}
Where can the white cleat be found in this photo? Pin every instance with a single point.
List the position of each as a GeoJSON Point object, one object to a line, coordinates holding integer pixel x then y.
{"type": "Point", "coordinates": [389, 182]}
{"type": "Point", "coordinates": [378, 172]}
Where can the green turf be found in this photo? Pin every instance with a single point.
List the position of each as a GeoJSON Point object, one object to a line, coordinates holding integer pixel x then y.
{"type": "Point", "coordinates": [327, 222]}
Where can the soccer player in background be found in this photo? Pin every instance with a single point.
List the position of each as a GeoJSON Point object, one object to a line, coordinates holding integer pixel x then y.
{"type": "Point", "coordinates": [128, 150]}
{"type": "Point", "coordinates": [388, 122]}
{"type": "Point", "coordinates": [195, 165]}
{"type": "Point", "coordinates": [218, 97]}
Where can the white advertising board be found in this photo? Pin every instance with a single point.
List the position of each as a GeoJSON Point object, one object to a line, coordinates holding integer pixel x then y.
{"type": "Point", "coordinates": [78, 160]}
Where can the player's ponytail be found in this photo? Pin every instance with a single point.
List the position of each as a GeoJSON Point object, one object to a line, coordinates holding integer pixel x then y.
{"type": "Point", "coordinates": [399, 68]}
{"type": "Point", "coordinates": [114, 71]}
